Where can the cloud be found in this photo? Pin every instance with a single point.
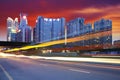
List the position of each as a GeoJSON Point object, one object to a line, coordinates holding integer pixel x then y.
{"type": "Point", "coordinates": [89, 11]}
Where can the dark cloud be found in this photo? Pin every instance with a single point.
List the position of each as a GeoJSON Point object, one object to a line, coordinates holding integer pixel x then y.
{"type": "Point", "coordinates": [14, 7]}
{"type": "Point", "coordinates": [43, 6]}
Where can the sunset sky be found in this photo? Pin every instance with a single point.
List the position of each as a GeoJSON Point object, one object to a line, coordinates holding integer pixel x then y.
{"type": "Point", "coordinates": [91, 10]}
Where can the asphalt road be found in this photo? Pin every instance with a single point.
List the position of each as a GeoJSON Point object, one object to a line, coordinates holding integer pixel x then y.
{"type": "Point", "coordinates": [14, 68]}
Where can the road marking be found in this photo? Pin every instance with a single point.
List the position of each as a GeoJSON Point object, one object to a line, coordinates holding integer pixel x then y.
{"type": "Point", "coordinates": [6, 73]}
{"type": "Point", "coordinates": [76, 70]}
{"type": "Point", "coordinates": [43, 64]}
{"type": "Point", "coordinates": [99, 66]}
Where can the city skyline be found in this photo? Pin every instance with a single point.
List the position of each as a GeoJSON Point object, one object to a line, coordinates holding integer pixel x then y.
{"type": "Point", "coordinates": [50, 24]}
{"type": "Point", "coordinates": [90, 10]}
{"type": "Point", "coordinates": [48, 29]}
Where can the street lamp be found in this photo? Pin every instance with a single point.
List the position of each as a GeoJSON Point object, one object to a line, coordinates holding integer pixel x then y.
{"type": "Point", "coordinates": [65, 35]}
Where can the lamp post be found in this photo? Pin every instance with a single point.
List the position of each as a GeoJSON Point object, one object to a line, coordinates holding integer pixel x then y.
{"type": "Point", "coordinates": [65, 35]}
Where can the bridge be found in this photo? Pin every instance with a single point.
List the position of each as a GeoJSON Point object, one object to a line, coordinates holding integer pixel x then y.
{"type": "Point", "coordinates": [13, 44]}
{"type": "Point", "coordinates": [4, 45]}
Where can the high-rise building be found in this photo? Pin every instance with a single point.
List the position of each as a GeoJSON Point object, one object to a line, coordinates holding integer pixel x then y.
{"type": "Point", "coordinates": [23, 19]}
{"type": "Point", "coordinates": [75, 27]}
{"type": "Point", "coordinates": [58, 28]}
{"type": "Point", "coordinates": [102, 30]}
{"type": "Point", "coordinates": [34, 35]}
{"type": "Point", "coordinates": [101, 26]}
{"type": "Point", "coordinates": [16, 23]}
{"type": "Point", "coordinates": [48, 29]}
{"type": "Point", "coordinates": [12, 26]}
{"type": "Point", "coordinates": [9, 26]}
{"type": "Point", "coordinates": [24, 34]}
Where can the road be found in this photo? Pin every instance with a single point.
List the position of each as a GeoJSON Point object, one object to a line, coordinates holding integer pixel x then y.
{"type": "Point", "coordinates": [21, 68]}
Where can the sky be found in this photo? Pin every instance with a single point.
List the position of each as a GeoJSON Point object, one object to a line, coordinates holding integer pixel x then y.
{"type": "Point", "coordinates": [91, 10]}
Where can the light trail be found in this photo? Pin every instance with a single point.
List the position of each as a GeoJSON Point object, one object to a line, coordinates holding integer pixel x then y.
{"type": "Point", "coordinates": [75, 59]}
{"type": "Point", "coordinates": [69, 40]}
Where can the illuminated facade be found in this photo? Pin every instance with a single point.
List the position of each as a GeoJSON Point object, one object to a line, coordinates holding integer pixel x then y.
{"type": "Point", "coordinates": [12, 26]}
{"type": "Point", "coordinates": [100, 26]}
{"type": "Point", "coordinates": [48, 29]}
{"type": "Point", "coordinates": [77, 27]}
{"type": "Point", "coordinates": [24, 34]}
{"type": "Point", "coordinates": [58, 28]}
{"type": "Point", "coordinates": [80, 36]}
{"type": "Point", "coordinates": [23, 20]}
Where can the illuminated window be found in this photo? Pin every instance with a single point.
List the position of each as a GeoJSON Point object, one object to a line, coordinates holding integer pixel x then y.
{"type": "Point", "coordinates": [50, 19]}
{"type": "Point", "coordinates": [24, 17]}
{"type": "Point", "coordinates": [58, 19]}
{"type": "Point", "coordinates": [46, 19]}
{"type": "Point", "coordinates": [53, 19]}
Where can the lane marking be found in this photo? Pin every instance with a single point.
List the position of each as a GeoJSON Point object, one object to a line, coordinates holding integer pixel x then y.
{"type": "Point", "coordinates": [88, 65]}
{"type": "Point", "coordinates": [6, 73]}
{"type": "Point", "coordinates": [43, 64]}
{"type": "Point", "coordinates": [99, 66]}
{"type": "Point", "coordinates": [77, 70]}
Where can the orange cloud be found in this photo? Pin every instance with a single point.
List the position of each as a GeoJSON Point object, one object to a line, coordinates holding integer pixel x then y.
{"type": "Point", "coordinates": [89, 11]}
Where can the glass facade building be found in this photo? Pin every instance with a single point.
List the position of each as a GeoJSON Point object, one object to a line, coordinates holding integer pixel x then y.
{"type": "Point", "coordinates": [24, 34]}
{"type": "Point", "coordinates": [48, 29]}
{"type": "Point", "coordinates": [12, 26]}
{"type": "Point", "coordinates": [102, 25]}
{"type": "Point", "coordinates": [76, 28]}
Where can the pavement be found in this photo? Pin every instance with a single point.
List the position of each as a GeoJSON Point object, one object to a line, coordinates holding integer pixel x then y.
{"type": "Point", "coordinates": [33, 68]}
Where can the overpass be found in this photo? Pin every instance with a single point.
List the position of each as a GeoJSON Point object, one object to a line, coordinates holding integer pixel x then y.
{"type": "Point", "coordinates": [52, 44]}
{"type": "Point", "coordinates": [13, 44]}
{"type": "Point", "coordinates": [4, 45]}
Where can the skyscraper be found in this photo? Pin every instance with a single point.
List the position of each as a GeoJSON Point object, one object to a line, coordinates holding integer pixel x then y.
{"type": "Point", "coordinates": [34, 35]}
{"type": "Point", "coordinates": [48, 29]}
{"type": "Point", "coordinates": [24, 34]}
{"type": "Point", "coordinates": [100, 26]}
{"type": "Point", "coordinates": [23, 19]}
{"type": "Point", "coordinates": [58, 28]}
{"type": "Point", "coordinates": [75, 27]}
{"type": "Point", "coordinates": [12, 26]}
